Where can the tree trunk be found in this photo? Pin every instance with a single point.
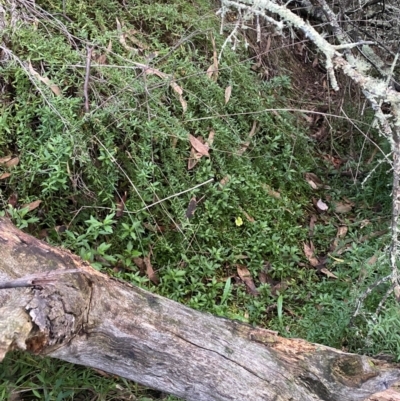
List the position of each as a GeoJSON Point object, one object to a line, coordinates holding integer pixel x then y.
{"type": "Point", "coordinates": [67, 310]}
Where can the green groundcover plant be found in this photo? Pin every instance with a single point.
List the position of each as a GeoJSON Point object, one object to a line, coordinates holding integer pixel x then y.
{"type": "Point", "coordinates": [107, 148]}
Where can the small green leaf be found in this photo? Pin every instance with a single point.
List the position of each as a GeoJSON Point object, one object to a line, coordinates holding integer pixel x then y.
{"type": "Point", "coordinates": [279, 306]}
{"type": "Point", "coordinates": [226, 292]}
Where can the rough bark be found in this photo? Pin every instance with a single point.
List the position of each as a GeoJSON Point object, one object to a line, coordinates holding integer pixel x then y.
{"type": "Point", "coordinates": [85, 317]}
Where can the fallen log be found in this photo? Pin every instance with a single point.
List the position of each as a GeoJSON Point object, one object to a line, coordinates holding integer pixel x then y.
{"type": "Point", "coordinates": [54, 304]}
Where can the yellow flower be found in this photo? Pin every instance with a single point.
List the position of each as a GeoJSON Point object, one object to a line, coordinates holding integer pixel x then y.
{"type": "Point", "coordinates": [238, 221]}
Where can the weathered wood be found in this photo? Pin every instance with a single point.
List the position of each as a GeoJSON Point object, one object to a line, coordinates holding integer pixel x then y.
{"type": "Point", "coordinates": [85, 317]}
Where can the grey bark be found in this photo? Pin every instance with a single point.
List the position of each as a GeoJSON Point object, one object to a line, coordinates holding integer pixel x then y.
{"type": "Point", "coordinates": [72, 312]}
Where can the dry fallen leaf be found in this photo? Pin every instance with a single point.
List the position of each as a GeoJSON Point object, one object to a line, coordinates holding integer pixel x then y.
{"type": "Point", "coordinates": [313, 180]}
{"type": "Point", "coordinates": [130, 34]}
{"type": "Point", "coordinates": [102, 58]}
{"type": "Point", "coordinates": [320, 134]}
{"type": "Point", "coordinates": [43, 234]}
{"type": "Point", "coordinates": [336, 162]}
{"type": "Point", "coordinates": [139, 262]}
{"type": "Point", "coordinates": [248, 217]}
{"type": "Point", "coordinates": [309, 119]}
{"type": "Point", "coordinates": [309, 253]}
{"type": "Point", "coordinates": [122, 37]}
{"type": "Point", "coordinates": [212, 70]}
{"type": "Point", "coordinates": [33, 205]}
{"type": "Point", "coordinates": [225, 180]}
{"type": "Point", "coordinates": [279, 287]}
{"type": "Point", "coordinates": [327, 272]}
{"type": "Point", "coordinates": [228, 92]}
{"type": "Point", "coordinates": [268, 46]}
{"type": "Point", "coordinates": [199, 146]}
{"type": "Point", "coordinates": [319, 264]}
{"type": "Point", "coordinates": [313, 220]}
{"type": "Point", "coordinates": [245, 276]}
{"type": "Point", "coordinates": [60, 229]}
{"type": "Point", "coordinates": [198, 150]}
{"type": "Point", "coordinates": [364, 223]}
{"type": "Point", "coordinates": [13, 199]}
{"type": "Point", "coordinates": [179, 91]}
{"type": "Point", "coordinates": [11, 162]}
{"type": "Point", "coordinates": [151, 274]}
{"type": "Point", "coordinates": [342, 231]}
{"type": "Point", "coordinates": [210, 139]}
{"type": "Point", "coordinates": [121, 205]}
{"type": "Point", "coordinates": [4, 160]}
{"type": "Point", "coordinates": [321, 206]}
{"type": "Point", "coordinates": [194, 158]}
{"type": "Point", "coordinates": [252, 132]}
{"type": "Point", "coordinates": [54, 88]}
{"type": "Point", "coordinates": [342, 207]}
{"type": "Point", "coordinates": [4, 176]}
{"type": "Point", "coordinates": [191, 208]}
{"type": "Point", "coordinates": [263, 277]}
{"type": "Point", "coordinates": [271, 192]}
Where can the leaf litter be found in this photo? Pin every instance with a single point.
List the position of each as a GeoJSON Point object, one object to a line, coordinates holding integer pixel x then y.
{"type": "Point", "coordinates": [4, 176]}
{"type": "Point", "coordinates": [177, 89]}
{"type": "Point", "coordinates": [319, 263]}
{"type": "Point", "coordinates": [33, 205]}
{"type": "Point", "coordinates": [121, 204]}
{"type": "Point", "coordinates": [314, 181]}
{"type": "Point", "coordinates": [191, 208]}
{"type": "Point", "coordinates": [212, 70]}
{"type": "Point", "coordinates": [247, 279]}
{"type": "Point", "coordinates": [343, 207]}
{"type": "Point", "coordinates": [9, 161]}
{"type": "Point", "coordinates": [252, 132]}
{"type": "Point", "coordinates": [146, 268]}
{"type": "Point", "coordinates": [228, 92]}
{"type": "Point", "coordinates": [321, 206]}
{"type": "Point", "coordinates": [54, 88]}
{"type": "Point", "coordinates": [199, 148]}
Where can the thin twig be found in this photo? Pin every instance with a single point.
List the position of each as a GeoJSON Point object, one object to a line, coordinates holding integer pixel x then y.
{"type": "Point", "coordinates": [367, 292]}
{"type": "Point", "coordinates": [229, 38]}
{"type": "Point", "coordinates": [10, 54]}
{"type": "Point", "coordinates": [87, 77]}
{"type": "Point", "coordinates": [146, 207]}
{"type": "Point", "coordinates": [382, 302]}
{"type": "Point", "coordinates": [177, 194]}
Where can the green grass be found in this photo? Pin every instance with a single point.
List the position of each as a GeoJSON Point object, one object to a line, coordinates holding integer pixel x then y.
{"type": "Point", "coordinates": [135, 140]}
{"type": "Point", "coordinates": [30, 378]}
